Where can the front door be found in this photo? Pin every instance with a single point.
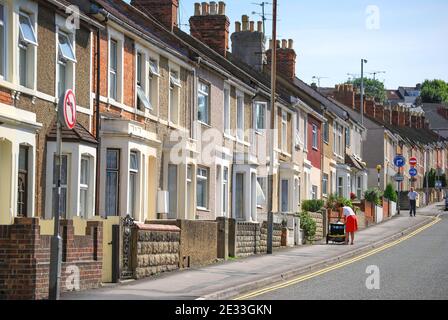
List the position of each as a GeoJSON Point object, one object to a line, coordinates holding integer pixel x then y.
{"type": "Point", "coordinates": [22, 183]}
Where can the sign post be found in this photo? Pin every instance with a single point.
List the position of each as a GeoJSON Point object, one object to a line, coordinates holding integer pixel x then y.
{"type": "Point", "coordinates": [399, 162]}
{"type": "Point", "coordinates": [67, 116]}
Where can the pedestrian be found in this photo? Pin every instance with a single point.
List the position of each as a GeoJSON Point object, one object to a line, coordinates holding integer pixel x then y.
{"type": "Point", "coordinates": [412, 195]}
{"type": "Point", "coordinates": [351, 223]}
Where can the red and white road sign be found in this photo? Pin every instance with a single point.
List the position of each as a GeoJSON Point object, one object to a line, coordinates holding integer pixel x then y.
{"type": "Point", "coordinates": [69, 109]}
{"type": "Point", "coordinates": [413, 161]}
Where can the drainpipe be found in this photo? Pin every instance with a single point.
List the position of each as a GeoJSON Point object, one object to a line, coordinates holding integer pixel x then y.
{"type": "Point", "coordinates": [97, 125]}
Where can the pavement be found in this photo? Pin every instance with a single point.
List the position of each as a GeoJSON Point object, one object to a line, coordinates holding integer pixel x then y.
{"type": "Point", "coordinates": [237, 276]}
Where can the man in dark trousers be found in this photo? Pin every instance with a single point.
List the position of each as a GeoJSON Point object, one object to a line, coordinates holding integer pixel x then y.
{"type": "Point", "coordinates": [412, 195]}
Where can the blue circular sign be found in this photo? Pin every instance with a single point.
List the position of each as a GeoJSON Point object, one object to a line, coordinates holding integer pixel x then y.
{"type": "Point", "coordinates": [399, 161]}
{"type": "Point", "coordinates": [413, 172]}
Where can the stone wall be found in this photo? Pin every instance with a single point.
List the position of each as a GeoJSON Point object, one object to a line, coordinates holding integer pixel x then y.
{"type": "Point", "coordinates": [318, 218]}
{"type": "Point", "coordinates": [25, 259]}
{"type": "Point", "coordinates": [157, 249]}
{"type": "Point", "coordinates": [248, 239]}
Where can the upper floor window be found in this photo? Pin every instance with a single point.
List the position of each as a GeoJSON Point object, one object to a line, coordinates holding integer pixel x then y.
{"type": "Point", "coordinates": [227, 110]}
{"type": "Point", "coordinates": [142, 100]}
{"type": "Point", "coordinates": [298, 134]}
{"type": "Point", "coordinates": [240, 117]}
{"type": "Point", "coordinates": [66, 59]}
{"type": "Point", "coordinates": [326, 133]}
{"type": "Point", "coordinates": [174, 96]}
{"type": "Point", "coordinates": [2, 42]}
{"type": "Point", "coordinates": [203, 103]}
{"type": "Point", "coordinates": [315, 137]}
{"type": "Point", "coordinates": [347, 137]}
{"type": "Point", "coordinates": [305, 133]}
{"type": "Point", "coordinates": [260, 116]}
{"type": "Point", "coordinates": [113, 69]}
{"type": "Point", "coordinates": [284, 130]}
{"type": "Point", "coordinates": [27, 44]}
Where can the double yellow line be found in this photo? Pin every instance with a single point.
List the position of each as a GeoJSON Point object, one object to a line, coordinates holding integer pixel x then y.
{"type": "Point", "coordinates": [336, 266]}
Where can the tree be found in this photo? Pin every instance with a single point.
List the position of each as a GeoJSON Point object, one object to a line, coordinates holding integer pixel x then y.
{"type": "Point", "coordinates": [372, 88]}
{"type": "Point", "coordinates": [434, 91]}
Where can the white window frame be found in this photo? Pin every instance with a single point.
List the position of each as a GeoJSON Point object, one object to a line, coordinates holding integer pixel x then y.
{"type": "Point", "coordinates": [206, 94]}
{"type": "Point", "coordinates": [298, 134]}
{"type": "Point", "coordinates": [288, 194]}
{"type": "Point", "coordinates": [174, 95]}
{"type": "Point", "coordinates": [63, 186]}
{"type": "Point", "coordinates": [133, 198]}
{"type": "Point", "coordinates": [116, 170]}
{"type": "Point", "coordinates": [225, 191]}
{"type": "Point", "coordinates": [4, 43]}
{"type": "Point", "coordinates": [119, 39]}
{"type": "Point", "coordinates": [258, 106]}
{"type": "Point", "coordinates": [201, 177]}
{"type": "Point", "coordinates": [264, 186]}
{"type": "Point", "coordinates": [84, 187]}
{"type": "Point", "coordinates": [325, 180]}
{"type": "Point", "coordinates": [284, 131]}
{"type": "Point", "coordinates": [30, 10]}
{"type": "Point", "coordinates": [70, 65]}
{"type": "Point", "coordinates": [315, 137]}
{"type": "Point", "coordinates": [226, 110]}
{"type": "Point", "coordinates": [305, 133]}
{"type": "Point", "coordinates": [240, 136]}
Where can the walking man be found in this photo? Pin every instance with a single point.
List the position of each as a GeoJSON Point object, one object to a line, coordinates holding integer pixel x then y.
{"type": "Point", "coordinates": [412, 195]}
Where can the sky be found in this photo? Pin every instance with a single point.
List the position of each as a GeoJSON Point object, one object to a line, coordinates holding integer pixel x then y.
{"type": "Point", "coordinates": [406, 39]}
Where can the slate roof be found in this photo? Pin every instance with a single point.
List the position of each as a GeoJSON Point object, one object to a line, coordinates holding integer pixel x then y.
{"type": "Point", "coordinates": [79, 134]}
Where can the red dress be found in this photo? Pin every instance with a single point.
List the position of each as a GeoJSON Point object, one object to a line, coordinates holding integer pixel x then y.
{"type": "Point", "coordinates": [351, 224]}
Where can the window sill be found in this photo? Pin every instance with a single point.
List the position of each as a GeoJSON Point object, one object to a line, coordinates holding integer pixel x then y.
{"type": "Point", "coordinates": [315, 149]}
{"type": "Point", "coordinates": [204, 124]}
{"type": "Point", "coordinates": [203, 209]}
{"type": "Point", "coordinates": [230, 137]}
{"type": "Point", "coordinates": [238, 140]}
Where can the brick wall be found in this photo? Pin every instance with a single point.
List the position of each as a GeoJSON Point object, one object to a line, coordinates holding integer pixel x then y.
{"type": "Point", "coordinates": [318, 218]}
{"type": "Point", "coordinates": [25, 258]}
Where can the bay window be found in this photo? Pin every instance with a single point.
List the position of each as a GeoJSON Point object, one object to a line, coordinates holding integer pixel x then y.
{"type": "Point", "coordinates": [203, 103]}
{"type": "Point", "coordinates": [112, 181]}
{"type": "Point", "coordinates": [285, 195]}
{"type": "Point", "coordinates": [22, 182]}
{"type": "Point", "coordinates": [133, 183]}
{"type": "Point", "coordinates": [202, 188]}
{"type": "Point", "coordinates": [64, 184]}
{"type": "Point", "coordinates": [84, 187]}
{"type": "Point", "coordinates": [325, 184]}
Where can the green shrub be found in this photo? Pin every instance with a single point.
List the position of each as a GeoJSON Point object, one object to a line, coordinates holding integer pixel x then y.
{"type": "Point", "coordinates": [334, 202]}
{"type": "Point", "coordinates": [390, 193]}
{"type": "Point", "coordinates": [308, 225]}
{"type": "Point", "coordinates": [373, 195]}
{"type": "Point", "coordinates": [312, 205]}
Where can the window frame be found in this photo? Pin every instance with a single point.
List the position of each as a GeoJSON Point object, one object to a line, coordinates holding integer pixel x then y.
{"type": "Point", "coordinates": [64, 186]}
{"type": "Point", "coordinates": [284, 131]}
{"type": "Point", "coordinates": [34, 41]}
{"type": "Point", "coordinates": [226, 110]}
{"type": "Point", "coordinates": [115, 170]}
{"type": "Point", "coordinates": [206, 94]}
{"type": "Point", "coordinates": [260, 106]}
{"type": "Point", "coordinates": [133, 172]}
{"type": "Point", "coordinates": [113, 69]}
{"type": "Point", "coordinates": [325, 180]}
{"type": "Point", "coordinates": [326, 132]}
{"type": "Point", "coordinates": [264, 186]}
{"type": "Point", "coordinates": [174, 95]}
{"type": "Point", "coordinates": [201, 178]}
{"type": "Point", "coordinates": [225, 191]}
{"type": "Point", "coordinates": [67, 64]}
{"type": "Point", "coordinates": [240, 136]}
{"type": "Point", "coordinates": [84, 187]}
{"type": "Point", "coordinates": [282, 194]}
{"type": "Point", "coordinates": [315, 138]}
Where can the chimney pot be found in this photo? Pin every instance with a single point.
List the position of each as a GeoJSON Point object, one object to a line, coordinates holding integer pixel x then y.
{"type": "Point", "coordinates": [205, 8]}
{"type": "Point", "coordinates": [245, 20]}
{"type": "Point", "coordinates": [237, 26]}
{"type": "Point", "coordinates": [252, 26]}
{"type": "Point", "coordinates": [284, 44]}
{"type": "Point", "coordinates": [197, 9]}
{"type": "Point", "coordinates": [222, 8]}
{"type": "Point", "coordinates": [260, 26]}
{"type": "Point", "coordinates": [213, 8]}
{"type": "Point", "coordinates": [291, 44]}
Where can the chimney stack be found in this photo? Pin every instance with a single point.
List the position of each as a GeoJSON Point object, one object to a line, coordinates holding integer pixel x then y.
{"type": "Point", "coordinates": [345, 94]}
{"type": "Point", "coordinates": [165, 11]}
{"type": "Point", "coordinates": [211, 25]}
{"type": "Point", "coordinates": [286, 59]}
{"type": "Point", "coordinates": [248, 44]}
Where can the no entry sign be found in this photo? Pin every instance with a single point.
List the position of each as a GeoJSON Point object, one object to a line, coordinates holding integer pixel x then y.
{"type": "Point", "coordinates": [413, 161]}
{"type": "Point", "coordinates": [69, 109]}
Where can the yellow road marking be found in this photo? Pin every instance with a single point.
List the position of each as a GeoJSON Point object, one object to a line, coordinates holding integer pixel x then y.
{"type": "Point", "coordinates": [336, 266]}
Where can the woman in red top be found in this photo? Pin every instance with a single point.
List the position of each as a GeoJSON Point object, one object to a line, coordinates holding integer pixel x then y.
{"type": "Point", "coordinates": [351, 223]}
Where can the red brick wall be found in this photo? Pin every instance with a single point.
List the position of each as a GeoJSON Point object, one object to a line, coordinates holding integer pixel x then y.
{"type": "Point", "coordinates": [345, 94]}
{"type": "Point", "coordinates": [213, 30]}
{"type": "Point", "coordinates": [165, 11]}
{"type": "Point", "coordinates": [286, 62]}
{"type": "Point", "coordinates": [25, 258]}
{"type": "Point", "coordinates": [5, 96]}
{"type": "Point", "coordinates": [314, 155]}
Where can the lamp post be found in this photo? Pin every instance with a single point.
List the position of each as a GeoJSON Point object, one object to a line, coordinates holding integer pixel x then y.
{"type": "Point", "coordinates": [362, 90]}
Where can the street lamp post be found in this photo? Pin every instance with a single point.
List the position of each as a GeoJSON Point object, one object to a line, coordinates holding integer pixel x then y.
{"type": "Point", "coordinates": [362, 90]}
